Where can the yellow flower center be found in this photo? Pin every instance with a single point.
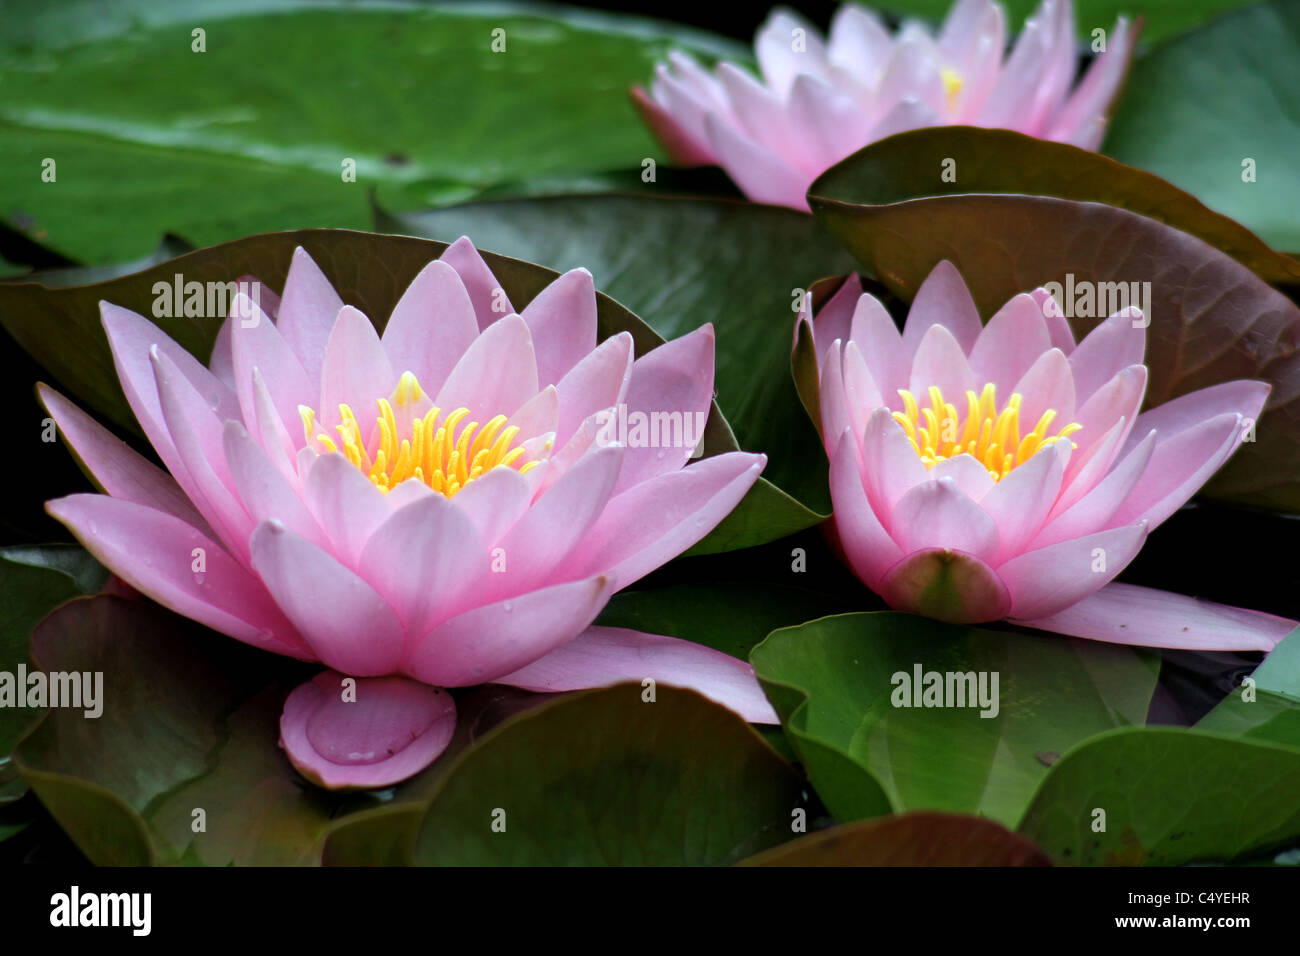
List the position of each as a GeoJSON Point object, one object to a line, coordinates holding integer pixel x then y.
{"type": "Point", "coordinates": [952, 85]}
{"type": "Point", "coordinates": [434, 448]}
{"type": "Point", "coordinates": [991, 436]}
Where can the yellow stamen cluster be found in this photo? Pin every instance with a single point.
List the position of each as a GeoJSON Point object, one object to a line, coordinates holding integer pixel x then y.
{"type": "Point", "coordinates": [952, 85]}
{"type": "Point", "coordinates": [990, 435]}
{"type": "Point", "coordinates": [439, 451]}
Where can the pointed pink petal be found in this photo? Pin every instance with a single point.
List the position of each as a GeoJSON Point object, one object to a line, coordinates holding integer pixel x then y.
{"type": "Point", "coordinates": [601, 656]}
{"type": "Point", "coordinates": [489, 298]}
{"type": "Point", "coordinates": [346, 504]}
{"type": "Point", "coordinates": [970, 474]}
{"type": "Point", "coordinates": [940, 361]}
{"type": "Point", "coordinates": [913, 72]}
{"type": "Point", "coordinates": [860, 390]}
{"type": "Point", "coordinates": [424, 560]}
{"type": "Point", "coordinates": [1095, 509]}
{"type": "Point", "coordinates": [307, 313]}
{"type": "Point", "coordinates": [491, 641]}
{"type": "Point", "coordinates": [1127, 614]}
{"type": "Point", "coordinates": [869, 548]}
{"type": "Point", "coordinates": [831, 399]}
{"type": "Point", "coordinates": [777, 57]}
{"type": "Point", "coordinates": [908, 115]}
{"type": "Point", "coordinates": [1008, 346]}
{"type": "Point", "coordinates": [1113, 345]}
{"type": "Point", "coordinates": [935, 514]}
{"type": "Point", "coordinates": [658, 519]}
{"type": "Point", "coordinates": [494, 502]}
{"type": "Point", "coordinates": [497, 373]}
{"type": "Point", "coordinates": [1050, 579]}
{"type": "Point", "coordinates": [1057, 326]}
{"type": "Point", "coordinates": [759, 111]}
{"type": "Point", "coordinates": [761, 175]}
{"type": "Point", "coordinates": [372, 733]}
{"type": "Point", "coordinates": [1082, 121]}
{"type": "Point", "coordinates": [562, 320]}
{"type": "Point", "coordinates": [1120, 398]}
{"type": "Point", "coordinates": [348, 625]}
{"type": "Point", "coordinates": [598, 381]}
{"type": "Point", "coordinates": [825, 122]}
{"type": "Point", "coordinates": [1020, 502]}
{"type": "Point", "coordinates": [943, 299]}
{"type": "Point", "coordinates": [263, 490]}
{"type": "Point", "coordinates": [157, 553]}
{"type": "Point", "coordinates": [675, 383]}
{"type": "Point", "coordinates": [946, 585]}
{"type": "Point", "coordinates": [835, 318]}
{"type": "Point", "coordinates": [1178, 468]}
{"type": "Point", "coordinates": [892, 465]}
{"type": "Point", "coordinates": [888, 358]}
{"type": "Point", "coordinates": [859, 42]}
{"type": "Point", "coordinates": [118, 469]}
{"type": "Point", "coordinates": [260, 347]}
{"type": "Point", "coordinates": [356, 371]}
{"type": "Point", "coordinates": [1047, 385]}
{"type": "Point", "coordinates": [1244, 397]}
{"type": "Point", "coordinates": [683, 148]}
{"type": "Point", "coordinates": [431, 326]}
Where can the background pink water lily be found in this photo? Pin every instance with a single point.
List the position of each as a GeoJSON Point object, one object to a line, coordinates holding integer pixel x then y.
{"type": "Point", "coordinates": [428, 508]}
{"type": "Point", "coordinates": [821, 99]}
{"type": "Point", "coordinates": [981, 472]}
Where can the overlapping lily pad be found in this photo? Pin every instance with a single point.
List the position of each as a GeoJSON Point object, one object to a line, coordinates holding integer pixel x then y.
{"type": "Point", "coordinates": [1211, 318]}
{"type": "Point", "coordinates": [255, 132]}
{"type": "Point", "coordinates": [834, 682]}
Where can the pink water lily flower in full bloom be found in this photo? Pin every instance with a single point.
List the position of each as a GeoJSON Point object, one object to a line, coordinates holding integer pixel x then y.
{"type": "Point", "coordinates": [821, 100]}
{"type": "Point", "coordinates": [1004, 471]}
{"type": "Point", "coordinates": [432, 508]}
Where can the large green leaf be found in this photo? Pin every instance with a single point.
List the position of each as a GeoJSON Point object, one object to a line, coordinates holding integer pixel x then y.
{"type": "Point", "coordinates": [252, 134]}
{"type": "Point", "coordinates": [1169, 796]}
{"type": "Point", "coordinates": [678, 263]}
{"type": "Point", "coordinates": [1199, 107]}
{"type": "Point", "coordinates": [1211, 318]}
{"type": "Point", "coordinates": [834, 681]}
{"type": "Point", "coordinates": [33, 581]}
{"type": "Point", "coordinates": [911, 839]}
{"type": "Point", "coordinates": [1268, 706]}
{"type": "Point", "coordinates": [370, 272]}
{"type": "Point", "coordinates": [603, 777]}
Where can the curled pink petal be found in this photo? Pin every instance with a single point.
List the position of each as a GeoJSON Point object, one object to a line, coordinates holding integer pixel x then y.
{"type": "Point", "coordinates": [359, 733]}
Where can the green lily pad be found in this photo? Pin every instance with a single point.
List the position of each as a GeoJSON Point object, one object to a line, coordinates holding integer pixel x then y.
{"type": "Point", "coordinates": [678, 263]}
{"type": "Point", "coordinates": [256, 131]}
{"type": "Point", "coordinates": [911, 839]}
{"type": "Point", "coordinates": [602, 777]}
{"type": "Point", "coordinates": [1199, 107]}
{"type": "Point", "coordinates": [33, 581]}
{"type": "Point", "coordinates": [1166, 796]}
{"type": "Point", "coordinates": [1211, 318]}
{"type": "Point", "coordinates": [1268, 706]}
{"type": "Point", "coordinates": [840, 685]}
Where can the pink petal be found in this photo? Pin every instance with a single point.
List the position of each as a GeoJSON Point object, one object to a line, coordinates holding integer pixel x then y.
{"type": "Point", "coordinates": [497, 373]}
{"type": "Point", "coordinates": [1008, 346]}
{"type": "Point", "coordinates": [1057, 326]}
{"type": "Point", "coordinates": [372, 733]}
{"type": "Point", "coordinates": [489, 298]}
{"type": "Point", "coordinates": [893, 467]}
{"type": "Point", "coordinates": [763, 176]}
{"type": "Point", "coordinates": [346, 504]}
{"type": "Point", "coordinates": [601, 656]}
{"type": "Point", "coordinates": [1095, 509]}
{"type": "Point", "coordinates": [307, 313]}
{"type": "Point", "coordinates": [943, 299]}
{"type": "Point", "coordinates": [1082, 120]}
{"type": "Point", "coordinates": [1127, 614]}
{"type": "Point", "coordinates": [431, 326]}
{"type": "Point", "coordinates": [425, 560]}
{"type": "Point", "coordinates": [683, 148]}
{"type": "Point", "coordinates": [860, 390]}
{"type": "Point", "coordinates": [935, 514]}
{"type": "Point", "coordinates": [913, 72]}
{"type": "Point", "coordinates": [674, 380]}
{"type": "Point", "coordinates": [908, 115]}
{"type": "Point", "coordinates": [760, 112]}
{"type": "Point", "coordinates": [1244, 397]}
{"type": "Point", "coordinates": [562, 320]}
{"type": "Point", "coordinates": [118, 469]}
{"type": "Point", "coordinates": [825, 122]}
{"type": "Point", "coordinates": [970, 474]}
{"type": "Point", "coordinates": [1050, 579]}
{"type": "Point", "coordinates": [156, 553]}
{"type": "Point", "coordinates": [867, 546]}
{"type": "Point", "coordinates": [356, 371]}
{"type": "Point", "coordinates": [888, 358]}
{"type": "Point", "coordinates": [946, 585]}
{"type": "Point", "coordinates": [831, 399]}
{"type": "Point", "coordinates": [598, 381]}
{"type": "Point", "coordinates": [940, 361]}
{"type": "Point", "coordinates": [1178, 468]}
{"type": "Point", "coordinates": [259, 347]}
{"type": "Point", "coordinates": [1112, 346]}
{"type": "Point", "coordinates": [1047, 385]}
{"type": "Point", "coordinates": [263, 490]}
{"type": "Point", "coordinates": [859, 42]}
{"type": "Point", "coordinates": [494, 502]}
{"type": "Point", "coordinates": [348, 625]}
{"type": "Point", "coordinates": [1120, 398]}
{"type": "Point", "coordinates": [660, 518]}
{"type": "Point", "coordinates": [1021, 501]}
{"type": "Point", "coordinates": [834, 319]}
{"type": "Point", "coordinates": [488, 642]}
{"type": "Point", "coordinates": [777, 57]}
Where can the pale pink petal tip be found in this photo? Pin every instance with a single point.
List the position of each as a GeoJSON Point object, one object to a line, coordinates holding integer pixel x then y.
{"type": "Point", "coordinates": [359, 733]}
{"type": "Point", "coordinates": [601, 656]}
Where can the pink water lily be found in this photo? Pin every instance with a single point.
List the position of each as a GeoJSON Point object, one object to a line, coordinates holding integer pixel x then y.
{"type": "Point", "coordinates": [430, 508]}
{"type": "Point", "coordinates": [1004, 471]}
{"type": "Point", "coordinates": [821, 100]}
